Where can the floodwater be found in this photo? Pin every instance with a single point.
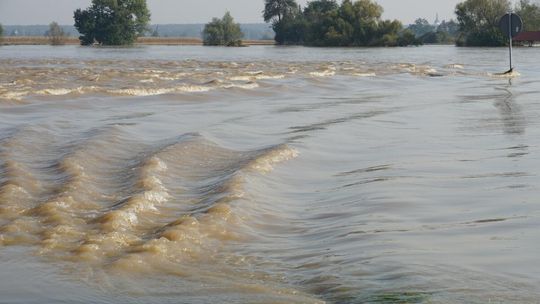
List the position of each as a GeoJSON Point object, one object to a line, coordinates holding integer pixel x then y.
{"type": "Point", "coordinates": [269, 175]}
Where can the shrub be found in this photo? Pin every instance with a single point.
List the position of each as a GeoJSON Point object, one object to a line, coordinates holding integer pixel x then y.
{"type": "Point", "coordinates": [222, 32]}
{"type": "Point", "coordinates": [56, 34]}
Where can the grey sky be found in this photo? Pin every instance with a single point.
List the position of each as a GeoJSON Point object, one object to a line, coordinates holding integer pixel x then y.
{"type": "Point", "coordinates": [200, 11]}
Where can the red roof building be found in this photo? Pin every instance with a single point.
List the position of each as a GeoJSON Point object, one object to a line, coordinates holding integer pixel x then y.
{"type": "Point", "coordinates": [527, 37]}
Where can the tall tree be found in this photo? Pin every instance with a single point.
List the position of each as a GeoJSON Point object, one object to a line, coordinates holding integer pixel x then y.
{"type": "Point", "coordinates": [112, 22]}
{"type": "Point", "coordinates": [530, 13]}
{"type": "Point", "coordinates": [324, 23]}
{"type": "Point", "coordinates": [478, 22]}
{"type": "Point", "coordinates": [1, 31]}
{"type": "Point", "coordinates": [368, 25]}
{"type": "Point", "coordinates": [286, 19]}
{"type": "Point", "coordinates": [276, 10]}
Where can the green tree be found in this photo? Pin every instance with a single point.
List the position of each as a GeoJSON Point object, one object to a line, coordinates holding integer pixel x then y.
{"type": "Point", "coordinates": [407, 37]}
{"type": "Point", "coordinates": [56, 34]}
{"type": "Point", "coordinates": [276, 10]}
{"type": "Point", "coordinates": [478, 22]}
{"type": "Point", "coordinates": [223, 31]}
{"type": "Point", "coordinates": [286, 19]}
{"type": "Point", "coordinates": [327, 23]}
{"type": "Point", "coordinates": [112, 22]}
{"type": "Point", "coordinates": [421, 27]}
{"type": "Point", "coordinates": [437, 38]}
{"type": "Point", "coordinates": [530, 13]}
{"type": "Point", "coordinates": [1, 31]}
{"type": "Point", "coordinates": [323, 27]}
{"type": "Point", "coordinates": [213, 33]}
{"type": "Point", "coordinates": [368, 26]}
{"type": "Point", "coordinates": [291, 29]}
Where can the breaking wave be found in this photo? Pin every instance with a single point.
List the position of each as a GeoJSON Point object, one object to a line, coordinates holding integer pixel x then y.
{"type": "Point", "coordinates": [111, 202]}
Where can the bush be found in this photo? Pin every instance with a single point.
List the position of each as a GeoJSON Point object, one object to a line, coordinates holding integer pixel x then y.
{"type": "Point", "coordinates": [491, 37]}
{"type": "Point", "coordinates": [438, 37]}
{"type": "Point", "coordinates": [222, 32]}
{"type": "Point", "coordinates": [421, 27]}
{"type": "Point", "coordinates": [407, 37]}
{"type": "Point", "coordinates": [56, 34]}
{"type": "Point", "coordinates": [108, 22]}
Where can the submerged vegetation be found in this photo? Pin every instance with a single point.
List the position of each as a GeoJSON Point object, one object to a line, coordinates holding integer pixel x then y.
{"type": "Point", "coordinates": [327, 23]}
{"type": "Point", "coordinates": [223, 31]}
{"type": "Point", "coordinates": [112, 22]}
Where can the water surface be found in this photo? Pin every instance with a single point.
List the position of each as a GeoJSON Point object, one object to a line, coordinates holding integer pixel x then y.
{"type": "Point", "coordinates": [268, 175]}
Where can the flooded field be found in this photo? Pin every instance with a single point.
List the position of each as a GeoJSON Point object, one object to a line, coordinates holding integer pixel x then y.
{"type": "Point", "coordinates": [268, 175]}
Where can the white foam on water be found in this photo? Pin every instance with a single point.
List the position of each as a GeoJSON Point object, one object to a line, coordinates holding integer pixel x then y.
{"type": "Point", "coordinates": [192, 88]}
{"type": "Point", "coordinates": [245, 86]}
{"type": "Point", "coordinates": [266, 162]}
{"type": "Point", "coordinates": [141, 91]}
{"type": "Point", "coordinates": [14, 95]}
{"type": "Point", "coordinates": [64, 91]}
{"type": "Point", "coordinates": [513, 74]}
{"type": "Point", "coordinates": [241, 78]}
{"type": "Point", "coordinates": [328, 72]}
{"type": "Point", "coordinates": [455, 66]}
{"type": "Point", "coordinates": [263, 77]}
{"type": "Point", "coordinates": [364, 74]}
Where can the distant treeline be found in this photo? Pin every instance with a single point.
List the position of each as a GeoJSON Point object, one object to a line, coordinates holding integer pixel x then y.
{"type": "Point", "coordinates": [36, 30]}
{"type": "Point", "coordinates": [252, 31]}
{"type": "Point", "coordinates": [319, 23]}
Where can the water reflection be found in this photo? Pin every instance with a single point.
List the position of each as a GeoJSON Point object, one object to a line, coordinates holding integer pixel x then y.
{"type": "Point", "coordinates": [512, 118]}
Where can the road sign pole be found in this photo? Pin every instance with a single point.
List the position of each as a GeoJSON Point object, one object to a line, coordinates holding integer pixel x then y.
{"type": "Point", "coordinates": [510, 39]}
{"type": "Point", "coordinates": [510, 25]}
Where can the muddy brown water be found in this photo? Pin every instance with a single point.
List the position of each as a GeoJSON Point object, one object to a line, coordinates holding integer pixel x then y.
{"type": "Point", "coordinates": [268, 175]}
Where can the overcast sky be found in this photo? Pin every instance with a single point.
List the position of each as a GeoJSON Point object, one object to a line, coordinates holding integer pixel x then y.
{"type": "Point", "coordinates": [201, 11]}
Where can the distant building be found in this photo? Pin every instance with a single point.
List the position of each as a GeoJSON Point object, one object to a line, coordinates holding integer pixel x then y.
{"type": "Point", "coordinates": [527, 38]}
{"type": "Point", "coordinates": [437, 22]}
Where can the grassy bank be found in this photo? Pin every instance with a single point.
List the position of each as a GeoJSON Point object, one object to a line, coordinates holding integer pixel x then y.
{"type": "Point", "coordinates": [37, 40]}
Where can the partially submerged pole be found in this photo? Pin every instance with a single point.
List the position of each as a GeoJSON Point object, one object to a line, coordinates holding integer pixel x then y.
{"type": "Point", "coordinates": [510, 42]}
{"type": "Point", "coordinates": [511, 25]}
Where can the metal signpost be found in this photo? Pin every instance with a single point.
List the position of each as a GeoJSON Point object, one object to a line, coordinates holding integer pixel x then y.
{"type": "Point", "coordinates": [511, 25]}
